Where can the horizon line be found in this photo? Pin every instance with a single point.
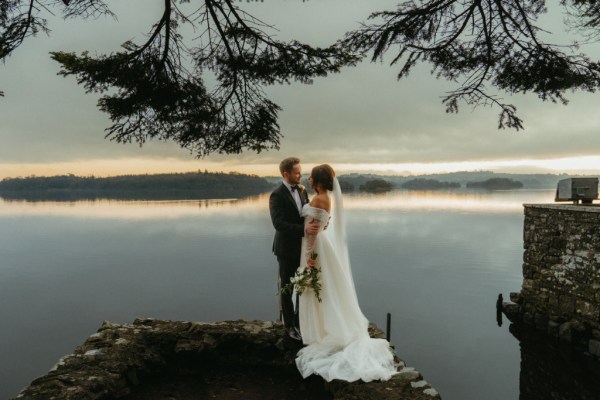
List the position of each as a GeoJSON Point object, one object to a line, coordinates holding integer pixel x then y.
{"type": "Point", "coordinates": [233, 172]}
{"type": "Point", "coordinates": [579, 165]}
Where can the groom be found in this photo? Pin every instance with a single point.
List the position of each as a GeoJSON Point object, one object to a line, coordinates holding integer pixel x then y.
{"type": "Point", "coordinates": [285, 205]}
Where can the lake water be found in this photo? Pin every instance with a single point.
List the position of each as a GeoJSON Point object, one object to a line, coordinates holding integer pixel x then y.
{"type": "Point", "coordinates": [435, 261]}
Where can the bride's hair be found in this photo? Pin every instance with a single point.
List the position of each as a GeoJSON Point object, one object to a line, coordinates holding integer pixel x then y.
{"type": "Point", "coordinates": [323, 175]}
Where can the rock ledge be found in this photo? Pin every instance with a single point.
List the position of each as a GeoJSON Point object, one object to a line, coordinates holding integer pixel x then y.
{"type": "Point", "coordinates": [117, 359]}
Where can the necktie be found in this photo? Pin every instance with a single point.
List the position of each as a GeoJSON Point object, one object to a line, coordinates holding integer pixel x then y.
{"type": "Point", "coordinates": [296, 196]}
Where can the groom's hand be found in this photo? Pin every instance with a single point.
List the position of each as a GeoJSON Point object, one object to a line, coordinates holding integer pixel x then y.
{"type": "Point", "coordinates": [327, 224]}
{"type": "Point", "coordinates": [312, 228]}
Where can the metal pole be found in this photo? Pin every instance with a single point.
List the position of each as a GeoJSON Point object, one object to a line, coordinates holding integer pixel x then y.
{"type": "Point", "coordinates": [279, 297]}
{"type": "Point", "coordinates": [388, 326]}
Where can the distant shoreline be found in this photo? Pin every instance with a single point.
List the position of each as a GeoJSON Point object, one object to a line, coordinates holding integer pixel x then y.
{"type": "Point", "coordinates": [220, 185]}
{"type": "Point", "coordinates": [184, 186]}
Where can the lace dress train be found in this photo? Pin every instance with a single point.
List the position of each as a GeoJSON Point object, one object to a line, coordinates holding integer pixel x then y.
{"type": "Point", "coordinates": [335, 330]}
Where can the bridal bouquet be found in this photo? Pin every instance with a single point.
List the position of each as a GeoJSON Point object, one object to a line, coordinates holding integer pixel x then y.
{"type": "Point", "coordinates": [307, 278]}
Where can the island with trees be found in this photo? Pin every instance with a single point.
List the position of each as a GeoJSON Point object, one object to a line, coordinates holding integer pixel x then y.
{"type": "Point", "coordinates": [190, 185]}
{"type": "Point", "coordinates": [376, 186]}
{"type": "Point", "coordinates": [496, 184]}
{"type": "Point", "coordinates": [429, 184]}
{"type": "Point", "coordinates": [345, 185]}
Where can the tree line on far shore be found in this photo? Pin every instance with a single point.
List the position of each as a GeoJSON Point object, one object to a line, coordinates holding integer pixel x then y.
{"type": "Point", "coordinates": [382, 185]}
{"type": "Point", "coordinates": [490, 184]}
{"type": "Point", "coordinates": [190, 185]}
{"type": "Point", "coordinates": [203, 185]}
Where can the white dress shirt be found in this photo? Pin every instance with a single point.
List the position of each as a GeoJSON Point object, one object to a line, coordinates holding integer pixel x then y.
{"type": "Point", "coordinates": [295, 195]}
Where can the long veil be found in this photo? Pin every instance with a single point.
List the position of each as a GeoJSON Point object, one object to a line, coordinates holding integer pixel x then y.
{"type": "Point", "coordinates": [337, 231]}
{"type": "Point", "coordinates": [339, 346]}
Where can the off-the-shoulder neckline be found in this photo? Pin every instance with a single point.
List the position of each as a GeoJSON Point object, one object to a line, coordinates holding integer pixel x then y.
{"type": "Point", "coordinates": [316, 208]}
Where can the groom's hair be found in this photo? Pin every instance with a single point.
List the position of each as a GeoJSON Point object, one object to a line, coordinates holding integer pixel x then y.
{"type": "Point", "coordinates": [287, 165]}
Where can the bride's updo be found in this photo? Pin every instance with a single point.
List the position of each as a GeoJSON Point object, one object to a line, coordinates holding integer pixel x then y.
{"type": "Point", "coordinates": [323, 175]}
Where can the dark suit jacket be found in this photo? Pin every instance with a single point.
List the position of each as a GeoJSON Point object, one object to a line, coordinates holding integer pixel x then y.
{"type": "Point", "coordinates": [289, 225]}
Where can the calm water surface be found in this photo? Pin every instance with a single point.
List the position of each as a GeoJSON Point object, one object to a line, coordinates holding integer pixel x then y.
{"type": "Point", "coordinates": [435, 261]}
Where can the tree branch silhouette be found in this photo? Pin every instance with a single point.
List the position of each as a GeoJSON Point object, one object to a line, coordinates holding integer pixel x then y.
{"type": "Point", "coordinates": [487, 46]}
{"type": "Point", "coordinates": [206, 92]}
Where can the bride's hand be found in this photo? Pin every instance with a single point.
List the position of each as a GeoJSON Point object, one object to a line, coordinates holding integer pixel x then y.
{"type": "Point", "coordinates": [311, 263]}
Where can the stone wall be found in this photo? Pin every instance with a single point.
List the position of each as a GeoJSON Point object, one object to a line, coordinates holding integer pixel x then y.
{"type": "Point", "coordinates": [118, 360]}
{"type": "Point", "coordinates": [561, 274]}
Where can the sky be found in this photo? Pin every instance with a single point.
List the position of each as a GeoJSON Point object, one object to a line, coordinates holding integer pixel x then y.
{"type": "Point", "coordinates": [361, 120]}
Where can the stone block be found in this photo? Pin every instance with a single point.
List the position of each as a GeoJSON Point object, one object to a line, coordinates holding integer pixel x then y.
{"type": "Point", "coordinates": [419, 384]}
{"type": "Point", "coordinates": [541, 321]}
{"type": "Point", "coordinates": [431, 392]}
{"type": "Point", "coordinates": [527, 295]}
{"type": "Point", "coordinates": [528, 318]}
{"type": "Point", "coordinates": [594, 347]}
{"type": "Point", "coordinates": [528, 284]}
{"type": "Point", "coordinates": [553, 302]}
{"type": "Point", "coordinates": [552, 259]}
{"type": "Point", "coordinates": [529, 274]}
{"type": "Point", "coordinates": [553, 328]}
{"type": "Point", "coordinates": [516, 297]}
{"type": "Point", "coordinates": [512, 311]}
{"type": "Point", "coordinates": [565, 332]}
{"type": "Point", "coordinates": [566, 305]}
{"type": "Point", "coordinates": [582, 253]}
{"type": "Point", "coordinates": [587, 310]}
{"type": "Point", "coordinates": [409, 374]}
{"type": "Point", "coordinates": [531, 265]}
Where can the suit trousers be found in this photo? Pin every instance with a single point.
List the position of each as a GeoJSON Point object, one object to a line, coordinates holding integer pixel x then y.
{"type": "Point", "coordinates": [287, 270]}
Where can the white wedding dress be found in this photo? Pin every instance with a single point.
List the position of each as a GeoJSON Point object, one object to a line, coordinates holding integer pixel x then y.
{"type": "Point", "coordinates": [335, 330]}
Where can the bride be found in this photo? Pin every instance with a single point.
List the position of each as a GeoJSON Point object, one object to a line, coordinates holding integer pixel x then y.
{"type": "Point", "coordinates": [333, 327]}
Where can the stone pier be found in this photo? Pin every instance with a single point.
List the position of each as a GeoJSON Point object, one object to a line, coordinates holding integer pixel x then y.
{"type": "Point", "coordinates": [561, 274]}
{"type": "Point", "coordinates": [152, 359]}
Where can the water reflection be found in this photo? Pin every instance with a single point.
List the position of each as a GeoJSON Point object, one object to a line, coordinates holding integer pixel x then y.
{"type": "Point", "coordinates": [461, 201]}
{"type": "Point", "coordinates": [551, 370]}
{"type": "Point", "coordinates": [108, 208]}
{"type": "Point", "coordinates": [401, 200]}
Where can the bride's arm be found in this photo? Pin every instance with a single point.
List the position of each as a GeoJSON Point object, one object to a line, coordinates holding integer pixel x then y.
{"type": "Point", "coordinates": [310, 243]}
{"type": "Point", "coordinates": [320, 201]}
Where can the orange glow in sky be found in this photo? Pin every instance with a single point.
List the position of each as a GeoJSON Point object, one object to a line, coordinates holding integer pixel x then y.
{"type": "Point", "coordinates": [134, 166]}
